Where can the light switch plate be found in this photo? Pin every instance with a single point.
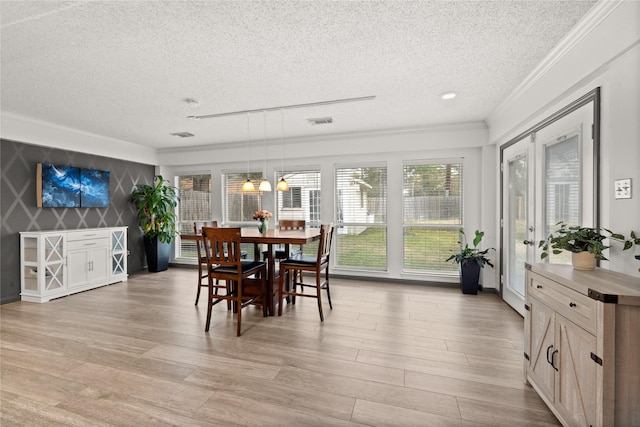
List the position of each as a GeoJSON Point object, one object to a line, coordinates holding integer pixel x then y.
{"type": "Point", "coordinates": [622, 187]}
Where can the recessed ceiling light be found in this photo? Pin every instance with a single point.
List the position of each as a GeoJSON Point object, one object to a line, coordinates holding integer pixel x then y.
{"type": "Point", "coordinates": [320, 120]}
{"type": "Point", "coordinates": [448, 95]}
{"type": "Point", "coordinates": [192, 103]}
{"type": "Point", "coordinates": [183, 134]}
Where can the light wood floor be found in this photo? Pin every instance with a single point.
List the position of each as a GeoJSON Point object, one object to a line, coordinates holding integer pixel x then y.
{"type": "Point", "coordinates": [136, 354]}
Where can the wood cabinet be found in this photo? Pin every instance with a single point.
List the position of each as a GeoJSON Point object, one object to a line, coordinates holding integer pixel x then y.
{"type": "Point", "coordinates": [58, 263]}
{"type": "Point", "coordinates": [582, 344]}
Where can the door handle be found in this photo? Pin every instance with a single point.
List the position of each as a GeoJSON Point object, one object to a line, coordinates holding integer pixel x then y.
{"type": "Point", "coordinates": [528, 242]}
{"type": "Point", "coordinates": [549, 356]}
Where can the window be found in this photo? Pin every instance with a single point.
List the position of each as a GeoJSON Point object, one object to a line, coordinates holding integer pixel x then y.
{"type": "Point", "coordinates": [562, 189]}
{"type": "Point", "coordinates": [302, 201]}
{"type": "Point", "coordinates": [194, 205]}
{"type": "Point", "coordinates": [432, 215]}
{"type": "Point", "coordinates": [292, 199]}
{"type": "Point", "coordinates": [240, 205]}
{"type": "Point", "coordinates": [361, 217]}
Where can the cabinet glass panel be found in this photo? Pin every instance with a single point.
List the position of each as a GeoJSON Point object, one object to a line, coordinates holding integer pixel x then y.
{"type": "Point", "coordinates": [53, 277]}
{"type": "Point", "coordinates": [53, 248]}
{"type": "Point", "coordinates": [31, 278]}
{"type": "Point", "coordinates": [30, 249]}
{"type": "Point", "coordinates": [117, 263]}
{"type": "Point", "coordinates": [117, 241]}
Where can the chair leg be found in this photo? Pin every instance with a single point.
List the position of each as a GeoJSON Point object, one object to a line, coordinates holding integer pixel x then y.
{"type": "Point", "coordinates": [299, 273]}
{"type": "Point", "coordinates": [199, 287]}
{"type": "Point", "coordinates": [318, 289]}
{"type": "Point", "coordinates": [209, 306]}
{"type": "Point", "coordinates": [265, 300]}
{"type": "Point", "coordinates": [328, 292]}
{"type": "Point", "coordinates": [239, 306]}
{"type": "Point", "coordinates": [226, 282]}
{"type": "Point", "coordinates": [281, 288]}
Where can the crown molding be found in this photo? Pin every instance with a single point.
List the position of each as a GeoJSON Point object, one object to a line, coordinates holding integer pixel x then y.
{"type": "Point", "coordinates": [600, 11]}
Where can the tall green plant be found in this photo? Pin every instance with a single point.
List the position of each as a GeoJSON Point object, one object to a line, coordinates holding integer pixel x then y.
{"type": "Point", "coordinates": [156, 205]}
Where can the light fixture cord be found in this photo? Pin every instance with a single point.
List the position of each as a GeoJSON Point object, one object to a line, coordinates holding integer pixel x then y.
{"type": "Point", "coordinates": [248, 147]}
{"type": "Point", "coordinates": [282, 141]}
{"type": "Point", "coordinates": [264, 114]}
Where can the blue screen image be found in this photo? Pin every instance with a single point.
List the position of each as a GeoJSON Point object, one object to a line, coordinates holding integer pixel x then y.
{"type": "Point", "coordinates": [60, 186]}
{"type": "Point", "coordinates": [94, 188]}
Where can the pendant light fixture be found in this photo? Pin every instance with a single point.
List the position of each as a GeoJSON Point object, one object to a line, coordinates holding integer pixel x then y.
{"type": "Point", "coordinates": [248, 185]}
{"type": "Point", "coordinates": [265, 185]}
{"type": "Point", "coordinates": [283, 185]}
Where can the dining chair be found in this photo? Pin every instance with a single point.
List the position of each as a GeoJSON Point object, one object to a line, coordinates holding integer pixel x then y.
{"type": "Point", "coordinates": [317, 264]}
{"type": "Point", "coordinates": [202, 259]}
{"type": "Point", "coordinates": [224, 262]}
{"type": "Point", "coordinates": [283, 251]}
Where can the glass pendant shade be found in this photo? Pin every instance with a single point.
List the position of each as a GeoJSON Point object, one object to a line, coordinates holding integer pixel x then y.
{"type": "Point", "coordinates": [283, 185]}
{"type": "Point", "coordinates": [248, 186]}
{"type": "Point", "coordinates": [264, 185]}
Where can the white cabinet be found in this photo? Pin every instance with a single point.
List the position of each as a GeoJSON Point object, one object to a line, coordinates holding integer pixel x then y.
{"type": "Point", "coordinates": [582, 344]}
{"type": "Point", "coordinates": [87, 257]}
{"type": "Point", "coordinates": [58, 263]}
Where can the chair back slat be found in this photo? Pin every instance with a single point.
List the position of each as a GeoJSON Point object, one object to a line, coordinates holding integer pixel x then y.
{"type": "Point", "coordinates": [197, 226]}
{"type": "Point", "coordinates": [197, 230]}
{"type": "Point", "coordinates": [324, 246]}
{"type": "Point", "coordinates": [222, 245]}
{"type": "Point", "coordinates": [292, 224]}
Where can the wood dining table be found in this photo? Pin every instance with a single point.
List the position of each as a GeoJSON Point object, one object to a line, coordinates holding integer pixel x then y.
{"type": "Point", "coordinates": [269, 238]}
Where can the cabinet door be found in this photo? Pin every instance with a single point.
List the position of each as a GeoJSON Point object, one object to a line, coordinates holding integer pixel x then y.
{"type": "Point", "coordinates": [99, 264]}
{"type": "Point", "coordinates": [541, 345]}
{"type": "Point", "coordinates": [77, 268]}
{"type": "Point", "coordinates": [576, 378]}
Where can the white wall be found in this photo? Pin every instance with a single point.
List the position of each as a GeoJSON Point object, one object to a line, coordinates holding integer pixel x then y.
{"type": "Point", "coordinates": [29, 131]}
{"type": "Point", "coordinates": [603, 52]}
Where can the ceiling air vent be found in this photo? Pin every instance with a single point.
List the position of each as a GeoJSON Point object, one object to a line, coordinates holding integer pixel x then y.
{"type": "Point", "coordinates": [183, 134]}
{"type": "Point", "coordinates": [321, 120]}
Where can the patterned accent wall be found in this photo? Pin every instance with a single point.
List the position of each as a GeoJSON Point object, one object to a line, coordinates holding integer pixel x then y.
{"type": "Point", "coordinates": [18, 211]}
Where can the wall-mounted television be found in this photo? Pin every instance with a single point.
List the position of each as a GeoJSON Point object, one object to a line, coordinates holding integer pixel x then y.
{"type": "Point", "coordinates": [59, 186]}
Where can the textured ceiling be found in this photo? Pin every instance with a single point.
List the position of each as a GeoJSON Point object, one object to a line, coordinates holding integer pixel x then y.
{"type": "Point", "coordinates": [124, 69]}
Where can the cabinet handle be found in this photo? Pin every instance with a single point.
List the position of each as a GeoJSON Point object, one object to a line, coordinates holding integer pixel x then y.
{"type": "Point", "coordinates": [539, 286]}
{"type": "Point", "coordinates": [553, 360]}
{"type": "Point", "coordinates": [549, 356]}
{"type": "Point", "coordinates": [572, 304]}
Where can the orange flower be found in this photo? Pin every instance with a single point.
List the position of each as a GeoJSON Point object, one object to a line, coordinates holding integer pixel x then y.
{"type": "Point", "coordinates": [263, 214]}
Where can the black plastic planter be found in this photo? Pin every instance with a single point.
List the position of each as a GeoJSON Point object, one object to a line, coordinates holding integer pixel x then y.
{"type": "Point", "coordinates": [469, 277]}
{"type": "Point", "coordinates": [157, 254]}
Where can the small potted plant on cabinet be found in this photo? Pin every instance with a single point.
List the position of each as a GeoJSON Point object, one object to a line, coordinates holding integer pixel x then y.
{"type": "Point", "coordinates": [586, 244]}
{"type": "Point", "coordinates": [156, 206]}
{"type": "Point", "coordinates": [471, 260]}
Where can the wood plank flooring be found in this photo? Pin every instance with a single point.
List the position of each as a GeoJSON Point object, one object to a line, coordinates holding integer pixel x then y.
{"type": "Point", "coordinates": [136, 354]}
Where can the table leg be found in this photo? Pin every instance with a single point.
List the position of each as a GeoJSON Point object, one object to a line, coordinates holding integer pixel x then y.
{"type": "Point", "coordinates": [271, 271]}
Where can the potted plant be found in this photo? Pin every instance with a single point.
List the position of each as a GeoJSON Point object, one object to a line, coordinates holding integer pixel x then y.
{"type": "Point", "coordinates": [471, 260]}
{"type": "Point", "coordinates": [586, 244]}
{"type": "Point", "coordinates": [156, 206]}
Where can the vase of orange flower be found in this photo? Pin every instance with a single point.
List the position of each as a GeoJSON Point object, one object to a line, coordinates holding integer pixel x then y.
{"type": "Point", "coordinates": [262, 216]}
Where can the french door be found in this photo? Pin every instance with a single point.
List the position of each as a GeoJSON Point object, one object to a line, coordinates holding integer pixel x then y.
{"type": "Point", "coordinates": [518, 219]}
{"type": "Point", "coordinates": [548, 175]}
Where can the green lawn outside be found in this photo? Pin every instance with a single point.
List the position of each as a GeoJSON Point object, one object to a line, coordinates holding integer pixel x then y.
{"type": "Point", "coordinates": [425, 249]}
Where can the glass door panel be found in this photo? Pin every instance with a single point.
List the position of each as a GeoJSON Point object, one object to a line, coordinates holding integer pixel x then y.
{"type": "Point", "coordinates": [517, 165]}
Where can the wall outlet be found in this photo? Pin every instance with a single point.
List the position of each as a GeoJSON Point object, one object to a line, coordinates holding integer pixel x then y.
{"type": "Point", "coordinates": [622, 188]}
